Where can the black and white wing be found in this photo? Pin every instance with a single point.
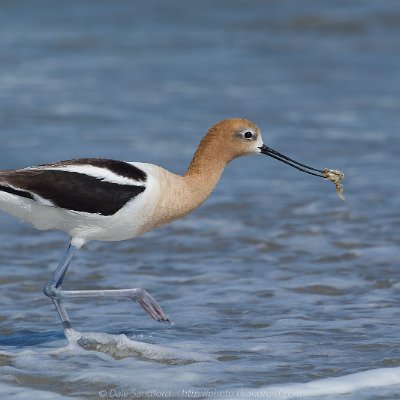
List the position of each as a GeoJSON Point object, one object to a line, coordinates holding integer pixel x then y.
{"type": "Point", "coordinates": [91, 185]}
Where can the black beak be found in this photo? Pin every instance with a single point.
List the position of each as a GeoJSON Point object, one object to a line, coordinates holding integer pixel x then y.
{"type": "Point", "coordinates": [278, 156]}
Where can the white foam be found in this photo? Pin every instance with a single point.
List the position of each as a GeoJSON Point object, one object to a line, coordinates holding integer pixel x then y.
{"type": "Point", "coordinates": [374, 378]}
{"type": "Point", "coordinates": [120, 346]}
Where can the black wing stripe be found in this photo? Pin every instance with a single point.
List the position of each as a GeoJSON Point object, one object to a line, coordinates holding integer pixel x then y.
{"type": "Point", "coordinates": [72, 190]}
{"type": "Point", "coordinates": [120, 168]}
{"type": "Point", "coordinates": [21, 193]}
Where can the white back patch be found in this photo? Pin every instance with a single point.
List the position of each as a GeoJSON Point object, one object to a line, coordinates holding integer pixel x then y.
{"type": "Point", "coordinates": [103, 174]}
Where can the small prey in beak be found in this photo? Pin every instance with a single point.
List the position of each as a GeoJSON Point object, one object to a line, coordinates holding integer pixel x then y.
{"type": "Point", "coordinates": [333, 175]}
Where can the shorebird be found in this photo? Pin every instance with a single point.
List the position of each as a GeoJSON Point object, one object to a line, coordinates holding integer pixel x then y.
{"type": "Point", "coordinates": [109, 200]}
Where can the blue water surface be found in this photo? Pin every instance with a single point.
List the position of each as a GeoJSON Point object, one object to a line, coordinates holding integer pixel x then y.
{"type": "Point", "coordinates": [274, 281]}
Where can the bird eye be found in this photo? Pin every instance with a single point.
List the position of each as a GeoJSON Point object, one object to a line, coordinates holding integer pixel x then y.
{"type": "Point", "coordinates": [248, 135]}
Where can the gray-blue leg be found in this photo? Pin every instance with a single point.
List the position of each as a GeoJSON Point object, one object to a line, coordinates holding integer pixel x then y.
{"type": "Point", "coordinates": [53, 290]}
{"type": "Point", "coordinates": [148, 302]}
{"type": "Point", "coordinates": [52, 287]}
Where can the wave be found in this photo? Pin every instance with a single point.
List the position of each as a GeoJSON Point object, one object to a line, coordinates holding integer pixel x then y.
{"type": "Point", "coordinates": [120, 346]}
{"type": "Point", "coordinates": [370, 379]}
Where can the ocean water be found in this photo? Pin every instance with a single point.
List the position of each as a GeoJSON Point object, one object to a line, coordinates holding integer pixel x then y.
{"type": "Point", "coordinates": [276, 288]}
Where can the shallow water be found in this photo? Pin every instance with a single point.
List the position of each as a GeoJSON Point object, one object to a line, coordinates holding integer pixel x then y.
{"type": "Point", "coordinates": [275, 286]}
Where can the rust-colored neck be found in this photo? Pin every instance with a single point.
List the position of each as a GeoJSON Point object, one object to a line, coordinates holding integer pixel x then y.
{"type": "Point", "coordinates": [179, 195]}
{"type": "Point", "coordinates": [207, 166]}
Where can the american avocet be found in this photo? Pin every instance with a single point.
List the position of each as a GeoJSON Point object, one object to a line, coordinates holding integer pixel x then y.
{"type": "Point", "coordinates": [101, 199]}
